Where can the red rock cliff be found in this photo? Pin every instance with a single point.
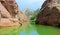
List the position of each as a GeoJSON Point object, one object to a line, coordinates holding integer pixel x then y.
{"type": "Point", "coordinates": [50, 14]}
{"type": "Point", "coordinates": [10, 14]}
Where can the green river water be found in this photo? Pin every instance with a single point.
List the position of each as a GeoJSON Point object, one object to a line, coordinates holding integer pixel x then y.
{"type": "Point", "coordinates": [30, 29]}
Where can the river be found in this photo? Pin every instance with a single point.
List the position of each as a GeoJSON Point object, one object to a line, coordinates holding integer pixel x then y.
{"type": "Point", "coordinates": [30, 29]}
{"type": "Point", "coordinates": [33, 29]}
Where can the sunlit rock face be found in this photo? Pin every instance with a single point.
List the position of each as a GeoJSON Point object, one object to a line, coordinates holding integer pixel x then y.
{"type": "Point", "coordinates": [11, 6]}
{"type": "Point", "coordinates": [10, 15]}
{"type": "Point", "coordinates": [49, 1]}
{"type": "Point", "coordinates": [50, 14]}
{"type": "Point", "coordinates": [28, 12]}
{"type": "Point", "coordinates": [4, 13]}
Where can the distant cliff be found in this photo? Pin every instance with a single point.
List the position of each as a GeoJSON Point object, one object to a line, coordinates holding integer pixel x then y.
{"type": "Point", "coordinates": [28, 12]}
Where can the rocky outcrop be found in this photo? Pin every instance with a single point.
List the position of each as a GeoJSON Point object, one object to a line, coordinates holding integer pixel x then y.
{"type": "Point", "coordinates": [4, 12]}
{"type": "Point", "coordinates": [50, 14]}
{"type": "Point", "coordinates": [28, 12]}
{"type": "Point", "coordinates": [10, 14]}
{"type": "Point", "coordinates": [9, 22]}
{"type": "Point", "coordinates": [11, 6]}
{"type": "Point", "coordinates": [24, 18]}
{"type": "Point", "coordinates": [47, 2]}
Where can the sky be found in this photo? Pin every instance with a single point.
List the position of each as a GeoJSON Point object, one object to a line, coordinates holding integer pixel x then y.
{"type": "Point", "coordinates": [32, 4]}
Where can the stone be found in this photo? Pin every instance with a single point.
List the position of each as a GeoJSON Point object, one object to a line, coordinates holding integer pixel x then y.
{"type": "Point", "coordinates": [10, 15]}
{"type": "Point", "coordinates": [11, 6]}
{"type": "Point", "coordinates": [2, 0]}
{"type": "Point", "coordinates": [9, 22]}
{"type": "Point", "coordinates": [4, 12]}
{"type": "Point", "coordinates": [47, 2]}
{"type": "Point", "coordinates": [50, 14]}
{"type": "Point", "coordinates": [24, 18]}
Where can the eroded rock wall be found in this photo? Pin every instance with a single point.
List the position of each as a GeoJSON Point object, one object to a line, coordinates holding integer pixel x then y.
{"type": "Point", "coordinates": [50, 13]}
{"type": "Point", "coordinates": [9, 12]}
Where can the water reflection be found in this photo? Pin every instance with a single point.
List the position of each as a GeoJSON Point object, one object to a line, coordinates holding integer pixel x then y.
{"type": "Point", "coordinates": [31, 33]}
{"type": "Point", "coordinates": [29, 30]}
{"type": "Point", "coordinates": [40, 30]}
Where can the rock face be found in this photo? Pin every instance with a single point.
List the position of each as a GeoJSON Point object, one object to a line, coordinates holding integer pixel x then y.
{"type": "Point", "coordinates": [47, 2]}
{"type": "Point", "coordinates": [28, 12]}
{"type": "Point", "coordinates": [4, 12]}
{"type": "Point", "coordinates": [10, 14]}
{"type": "Point", "coordinates": [50, 14]}
{"type": "Point", "coordinates": [11, 6]}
